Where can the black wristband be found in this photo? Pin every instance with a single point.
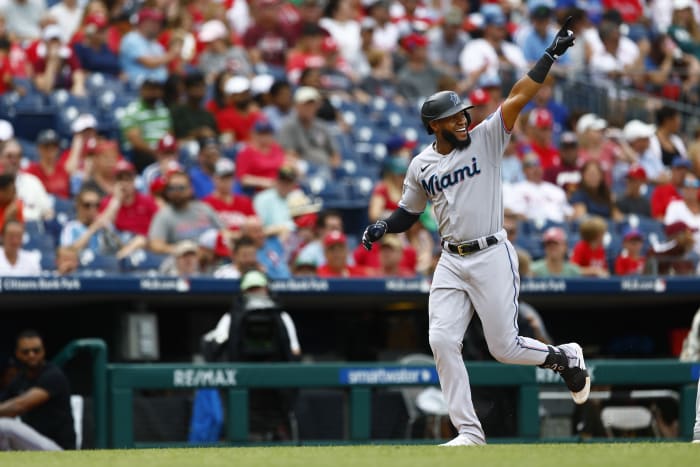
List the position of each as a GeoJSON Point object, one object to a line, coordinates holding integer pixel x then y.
{"type": "Point", "coordinates": [400, 221]}
{"type": "Point", "coordinates": [538, 73]}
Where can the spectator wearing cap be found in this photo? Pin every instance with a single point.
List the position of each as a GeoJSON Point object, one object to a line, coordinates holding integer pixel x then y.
{"type": "Point", "coordinates": [7, 131]}
{"type": "Point", "coordinates": [231, 208]}
{"type": "Point", "coordinates": [326, 221]}
{"type": "Point", "coordinates": [142, 57]}
{"type": "Point", "coordinates": [271, 204]}
{"type": "Point", "coordinates": [593, 196]}
{"type": "Point", "coordinates": [307, 137]}
{"type": "Point", "coordinates": [540, 33]}
{"type": "Point", "coordinates": [664, 193]}
{"type": "Point", "coordinates": [93, 51]}
{"type": "Point", "coordinates": [53, 176]}
{"type": "Point", "coordinates": [134, 211]}
{"type": "Point", "coordinates": [597, 142]}
{"type": "Point", "coordinates": [271, 254]}
{"type": "Point", "coordinates": [36, 202]}
{"type": "Point", "coordinates": [145, 122]}
{"type": "Point", "coordinates": [190, 119]}
{"type": "Point", "coordinates": [544, 99]}
{"type": "Point", "coordinates": [666, 144]}
{"type": "Point", "coordinates": [260, 159]}
{"type": "Point", "coordinates": [540, 128]}
{"type": "Point", "coordinates": [280, 104]}
{"type": "Point", "coordinates": [391, 259]}
{"type": "Point", "coordinates": [630, 261]}
{"type": "Point", "coordinates": [687, 209]}
{"type": "Point", "coordinates": [335, 249]}
{"type": "Point", "coordinates": [184, 260]}
{"type": "Point", "coordinates": [589, 252]}
{"type": "Point", "coordinates": [67, 15]}
{"type": "Point", "coordinates": [24, 18]}
{"type": "Point", "coordinates": [485, 56]}
{"type": "Point", "coordinates": [101, 176]}
{"type": "Point", "coordinates": [566, 175]}
{"type": "Point", "coordinates": [534, 198]}
{"type": "Point", "coordinates": [304, 212]}
{"type": "Point", "coordinates": [675, 256]}
{"type": "Point", "coordinates": [182, 218]}
{"type": "Point", "coordinates": [402, 262]}
{"type": "Point", "coordinates": [633, 200]}
{"type": "Point", "coordinates": [555, 262]}
{"type": "Point", "coordinates": [84, 140]}
{"type": "Point", "coordinates": [483, 106]}
{"type": "Point", "coordinates": [417, 78]}
{"type": "Point", "coordinates": [448, 41]}
{"type": "Point", "coordinates": [166, 155]}
{"type": "Point", "coordinates": [635, 143]}
{"type": "Point", "coordinates": [90, 230]}
{"type": "Point", "coordinates": [387, 191]}
{"type": "Point", "coordinates": [219, 53]}
{"type": "Point", "coordinates": [53, 65]}
{"type": "Point", "coordinates": [14, 261]}
{"type": "Point", "coordinates": [268, 39]}
{"type": "Point", "coordinates": [616, 59]}
{"type": "Point", "coordinates": [237, 112]}
{"type": "Point", "coordinates": [243, 258]}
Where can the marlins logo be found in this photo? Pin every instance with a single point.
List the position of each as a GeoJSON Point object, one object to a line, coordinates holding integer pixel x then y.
{"type": "Point", "coordinates": [439, 183]}
{"type": "Point", "coordinates": [455, 99]}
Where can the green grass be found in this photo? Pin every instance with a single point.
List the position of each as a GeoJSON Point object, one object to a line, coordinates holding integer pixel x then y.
{"type": "Point", "coordinates": [515, 455]}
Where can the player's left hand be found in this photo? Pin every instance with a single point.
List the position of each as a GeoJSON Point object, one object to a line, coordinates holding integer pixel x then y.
{"type": "Point", "coordinates": [562, 41]}
{"type": "Point", "coordinates": [373, 233]}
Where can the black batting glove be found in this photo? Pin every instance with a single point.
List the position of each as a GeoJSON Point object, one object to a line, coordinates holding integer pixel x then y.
{"type": "Point", "coordinates": [562, 41]}
{"type": "Point", "coordinates": [373, 233]}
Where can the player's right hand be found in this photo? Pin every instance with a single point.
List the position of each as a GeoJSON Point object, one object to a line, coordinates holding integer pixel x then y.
{"type": "Point", "coordinates": [373, 233]}
{"type": "Point", "coordinates": [562, 41]}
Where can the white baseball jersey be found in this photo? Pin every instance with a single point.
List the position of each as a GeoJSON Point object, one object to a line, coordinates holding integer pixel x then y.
{"type": "Point", "coordinates": [463, 186]}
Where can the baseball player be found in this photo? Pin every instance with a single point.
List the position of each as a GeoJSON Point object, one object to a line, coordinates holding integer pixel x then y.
{"type": "Point", "coordinates": [460, 174]}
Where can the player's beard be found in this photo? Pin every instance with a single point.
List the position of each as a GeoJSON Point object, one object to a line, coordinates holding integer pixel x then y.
{"type": "Point", "coordinates": [456, 143]}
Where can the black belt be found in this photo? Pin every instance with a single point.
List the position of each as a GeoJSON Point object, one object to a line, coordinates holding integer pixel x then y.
{"type": "Point", "coordinates": [468, 248]}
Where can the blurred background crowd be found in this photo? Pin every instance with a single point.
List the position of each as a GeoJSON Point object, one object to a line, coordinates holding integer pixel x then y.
{"type": "Point", "coordinates": [211, 137]}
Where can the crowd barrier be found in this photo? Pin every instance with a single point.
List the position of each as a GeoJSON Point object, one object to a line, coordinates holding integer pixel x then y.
{"type": "Point", "coordinates": [360, 379]}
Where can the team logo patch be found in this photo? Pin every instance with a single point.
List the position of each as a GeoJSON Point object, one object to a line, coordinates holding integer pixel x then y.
{"type": "Point", "coordinates": [455, 99]}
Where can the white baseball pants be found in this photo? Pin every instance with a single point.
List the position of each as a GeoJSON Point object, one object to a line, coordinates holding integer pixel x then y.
{"type": "Point", "coordinates": [16, 435]}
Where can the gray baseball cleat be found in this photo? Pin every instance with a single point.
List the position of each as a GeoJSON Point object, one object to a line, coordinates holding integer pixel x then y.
{"type": "Point", "coordinates": [567, 360]}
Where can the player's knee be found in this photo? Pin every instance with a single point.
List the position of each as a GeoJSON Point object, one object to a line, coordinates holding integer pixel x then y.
{"type": "Point", "coordinates": [440, 340]}
{"type": "Point", "coordinates": [501, 353]}
{"type": "Point", "coordinates": [6, 427]}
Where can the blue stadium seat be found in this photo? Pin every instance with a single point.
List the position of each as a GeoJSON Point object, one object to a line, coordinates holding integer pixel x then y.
{"type": "Point", "coordinates": [29, 149]}
{"type": "Point", "coordinates": [28, 123]}
{"type": "Point", "coordinates": [107, 264]}
{"type": "Point", "coordinates": [141, 261]}
{"type": "Point", "coordinates": [48, 260]}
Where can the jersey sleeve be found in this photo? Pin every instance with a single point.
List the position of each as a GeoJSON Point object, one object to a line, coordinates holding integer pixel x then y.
{"type": "Point", "coordinates": [493, 134]}
{"type": "Point", "coordinates": [413, 197]}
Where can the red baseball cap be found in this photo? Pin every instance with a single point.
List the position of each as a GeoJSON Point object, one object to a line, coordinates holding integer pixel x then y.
{"type": "Point", "coordinates": [124, 166]}
{"type": "Point", "coordinates": [637, 172]}
{"type": "Point", "coordinates": [329, 45]}
{"type": "Point", "coordinates": [97, 20]}
{"type": "Point", "coordinates": [167, 143]}
{"type": "Point", "coordinates": [334, 237]}
{"type": "Point", "coordinates": [479, 97]}
{"type": "Point", "coordinates": [306, 221]}
{"type": "Point", "coordinates": [554, 234]}
{"type": "Point", "coordinates": [414, 40]}
{"type": "Point", "coordinates": [152, 14]}
{"type": "Point", "coordinates": [541, 118]}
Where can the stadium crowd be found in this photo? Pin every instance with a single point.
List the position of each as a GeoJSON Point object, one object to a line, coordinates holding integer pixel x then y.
{"type": "Point", "coordinates": [211, 137]}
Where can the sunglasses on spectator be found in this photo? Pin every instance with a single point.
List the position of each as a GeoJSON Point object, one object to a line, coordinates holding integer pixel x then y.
{"type": "Point", "coordinates": [177, 187]}
{"type": "Point", "coordinates": [90, 204]}
{"type": "Point", "coordinates": [125, 176]}
{"type": "Point", "coordinates": [30, 350]}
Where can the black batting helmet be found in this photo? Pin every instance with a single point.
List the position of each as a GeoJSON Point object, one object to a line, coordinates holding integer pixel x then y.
{"type": "Point", "coordinates": [440, 105]}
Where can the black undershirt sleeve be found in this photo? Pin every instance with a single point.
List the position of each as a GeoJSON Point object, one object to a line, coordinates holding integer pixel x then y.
{"type": "Point", "coordinates": [400, 221]}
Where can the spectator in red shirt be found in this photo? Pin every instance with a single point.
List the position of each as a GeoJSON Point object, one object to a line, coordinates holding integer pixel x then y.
{"type": "Point", "coordinates": [630, 261]}
{"type": "Point", "coordinates": [667, 192]}
{"type": "Point", "coordinates": [54, 64]}
{"type": "Point", "coordinates": [392, 255]}
{"type": "Point", "coordinates": [335, 248]}
{"type": "Point", "coordinates": [10, 205]}
{"type": "Point", "coordinates": [541, 122]}
{"type": "Point", "coordinates": [232, 209]}
{"type": "Point", "coordinates": [306, 53]}
{"type": "Point", "coordinates": [387, 192]}
{"type": "Point", "coordinates": [53, 175]}
{"type": "Point", "coordinates": [5, 66]}
{"type": "Point", "coordinates": [101, 174]}
{"type": "Point", "coordinates": [236, 113]}
{"type": "Point", "coordinates": [135, 210]}
{"type": "Point", "coordinates": [566, 174]}
{"type": "Point", "coordinates": [259, 161]}
{"type": "Point", "coordinates": [589, 252]}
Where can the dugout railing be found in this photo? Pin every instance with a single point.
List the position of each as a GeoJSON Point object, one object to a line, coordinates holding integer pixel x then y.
{"type": "Point", "coordinates": [113, 401]}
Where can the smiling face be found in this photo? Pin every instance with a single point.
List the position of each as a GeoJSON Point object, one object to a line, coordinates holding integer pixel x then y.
{"type": "Point", "coordinates": [453, 130]}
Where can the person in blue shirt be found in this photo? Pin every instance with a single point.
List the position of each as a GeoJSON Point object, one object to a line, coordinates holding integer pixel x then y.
{"type": "Point", "coordinates": [271, 255]}
{"type": "Point", "coordinates": [202, 173]}
{"type": "Point", "coordinates": [92, 51]}
{"type": "Point", "coordinates": [541, 34]}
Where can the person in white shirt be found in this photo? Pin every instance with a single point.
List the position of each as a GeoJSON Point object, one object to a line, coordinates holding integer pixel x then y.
{"type": "Point", "coordinates": [339, 20]}
{"type": "Point", "coordinates": [67, 14]}
{"type": "Point", "coordinates": [37, 203]}
{"type": "Point", "coordinates": [14, 261]}
{"type": "Point", "coordinates": [534, 198]}
{"type": "Point", "coordinates": [487, 56]}
{"type": "Point", "coordinates": [687, 210]}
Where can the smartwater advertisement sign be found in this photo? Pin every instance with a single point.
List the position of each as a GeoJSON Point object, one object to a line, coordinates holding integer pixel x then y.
{"type": "Point", "coordinates": [389, 376]}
